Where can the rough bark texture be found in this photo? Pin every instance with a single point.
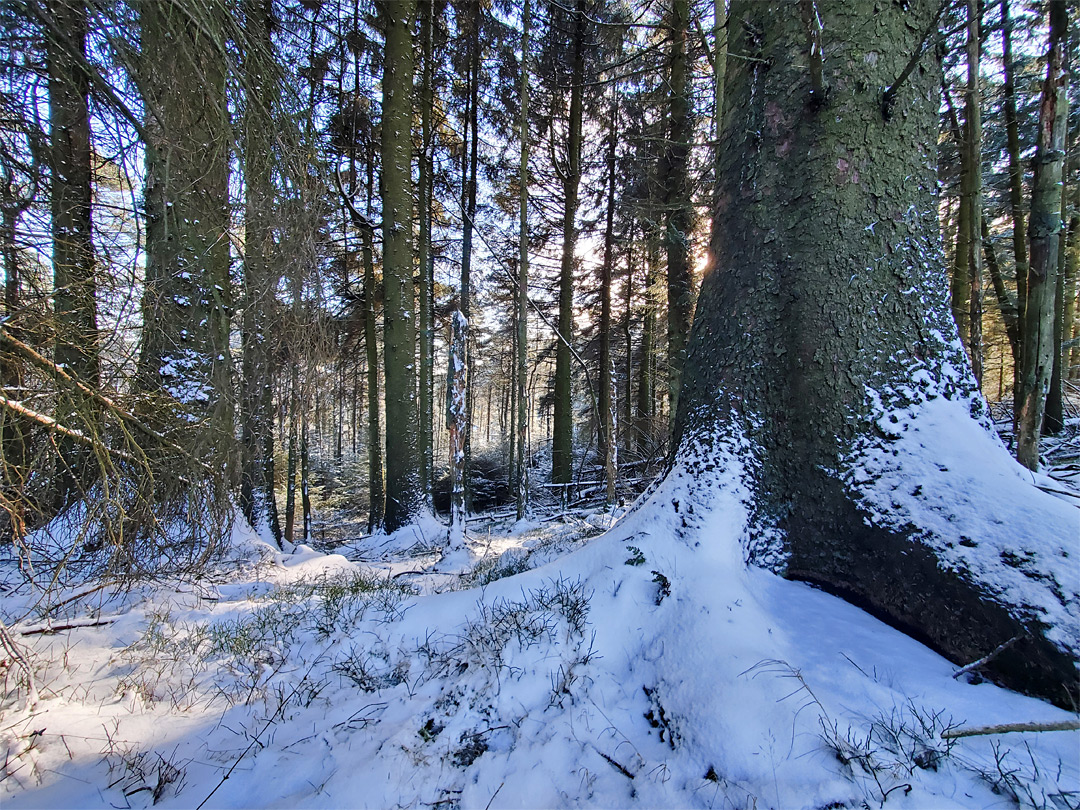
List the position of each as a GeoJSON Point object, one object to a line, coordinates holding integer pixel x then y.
{"type": "Point", "coordinates": [185, 339]}
{"type": "Point", "coordinates": [403, 492]}
{"type": "Point", "coordinates": [562, 440]}
{"type": "Point", "coordinates": [826, 316]}
{"type": "Point", "coordinates": [1038, 321]}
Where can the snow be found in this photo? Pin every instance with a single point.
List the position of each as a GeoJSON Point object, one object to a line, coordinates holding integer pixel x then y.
{"type": "Point", "coordinates": [647, 667]}
{"type": "Point", "coordinates": [979, 509]}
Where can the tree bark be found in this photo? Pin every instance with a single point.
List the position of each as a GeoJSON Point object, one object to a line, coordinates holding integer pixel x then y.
{"type": "Point", "coordinates": [1038, 321]}
{"type": "Point", "coordinates": [562, 440]}
{"type": "Point", "coordinates": [258, 501]}
{"type": "Point", "coordinates": [404, 495]}
{"type": "Point", "coordinates": [186, 301]}
{"type": "Point", "coordinates": [823, 379]}
{"type": "Point", "coordinates": [425, 289]}
{"type": "Point", "coordinates": [74, 285]}
{"type": "Point", "coordinates": [521, 481]}
{"type": "Point", "coordinates": [606, 417]}
{"type": "Point", "coordinates": [678, 205]}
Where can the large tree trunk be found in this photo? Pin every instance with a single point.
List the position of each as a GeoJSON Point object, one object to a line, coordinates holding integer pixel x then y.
{"type": "Point", "coordinates": [185, 338]}
{"type": "Point", "coordinates": [1037, 324]}
{"type": "Point", "coordinates": [404, 495]}
{"type": "Point", "coordinates": [824, 368]}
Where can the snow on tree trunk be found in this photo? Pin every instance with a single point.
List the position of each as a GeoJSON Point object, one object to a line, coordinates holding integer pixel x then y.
{"type": "Point", "coordinates": [823, 354]}
{"type": "Point", "coordinates": [457, 421]}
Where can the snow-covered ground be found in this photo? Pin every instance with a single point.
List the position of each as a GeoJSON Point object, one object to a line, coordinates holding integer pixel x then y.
{"type": "Point", "coordinates": [556, 667]}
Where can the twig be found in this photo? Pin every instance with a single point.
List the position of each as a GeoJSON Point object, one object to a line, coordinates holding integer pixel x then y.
{"type": "Point", "coordinates": [614, 764]}
{"type": "Point", "coordinates": [1009, 728]}
{"type": "Point", "coordinates": [986, 659]}
{"type": "Point", "coordinates": [493, 795]}
{"type": "Point", "coordinates": [7, 643]}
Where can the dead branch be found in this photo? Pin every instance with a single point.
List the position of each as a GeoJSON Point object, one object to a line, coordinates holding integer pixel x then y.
{"type": "Point", "coordinates": [1009, 728]}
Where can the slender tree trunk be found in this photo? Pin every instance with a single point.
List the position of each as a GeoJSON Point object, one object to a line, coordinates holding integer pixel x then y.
{"type": "Point", "coordinates": [457, 383]}
{"type": "Point", "coordinates": [1054, 421]}
{"type": "Point", "coordinates": [1016, 188]}
{"type": "Point", "coordinates": [291, 462]}
{"type": "Point", "coordinates": [426, 259]}
{"type": "Point", "coordinates": [468, 205]}
{"type": "Point", "coordinates": [74, 286]}
{"type": "Point", "coordinates": [1005, 301]}
{"type": "Point", "coordinates": [376, 489]}
{"type": "Point", "coordinates": [1072, 281]}
{"type": "Point", "coordinates": [521, 482]}
{"type": "Point", "coordinates": [404, 496]}
{"type": "Point", "coordinates": [258, 501]}
{"type": "Point", "coordinates": [1038, 333]}
{"type": "Point", "coordinates": [973, 146]}
{"type": "Point", "coordinates": [646, 398]}
{"type": "Point", "coordinates": [606, 417]}
{"type": "Point", "coordinates": [305, 483]}
{"type": "Point", "coordinates": [562, 440]}
{"type": "Point", "coordinates": [678, 206]}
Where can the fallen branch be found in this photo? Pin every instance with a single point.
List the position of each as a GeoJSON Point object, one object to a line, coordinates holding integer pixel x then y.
{"type": "Point", "coordinates": [60, 628]}
{"type": "Point", "coordinates": [1009, 728]}
{"type": "Point", "coordinates": [986, 659]}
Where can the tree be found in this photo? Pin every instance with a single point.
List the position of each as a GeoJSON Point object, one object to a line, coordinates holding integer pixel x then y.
{"type": "Point", "coordinates": [186, 301]}
{"type": "Point", "coordinates": [562, 442]}
{"type": "Point", "coordinates": [823, 369]}
{"type": "Point", "coordinates": [678, 206]}
{"type": "Point", "coordinates": [520, 472]}
{"type": "Point", "coordinates": [404, 495]}
{"type": "Point", "coordinates": [74, 286]}
{"type": "Point", "coordinates": [261, 274]}
{"type": "Point", "coordinates": [1043, 228]}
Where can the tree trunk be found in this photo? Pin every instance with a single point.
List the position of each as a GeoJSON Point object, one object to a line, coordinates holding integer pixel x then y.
{"type": "Point", "coordinates": [470, 165]}
{"type": "Point", "coordinates": [376, 487]}
{"type": "Point", "coordinates": [1054, 421]}
{"type": "Point", "coordinates": [1016, 187]}
{"type": "Point", "coordinates": [404, 495]}
{"type": "Point", "coordinates": [606, 417]}
{"type": "Point", "coordinates": [424, 254]}
{"type": "Point", "coordinates": [678, 205]}
{"type": "Point", "coordinates": [646, 395]}
{"type": "Point", "coordinates": [562, 439]}
{"type": "Point", "coordinates": [186, 302]}
{"type": "Point", "coordinates": [973, 150]}
{"type": "Point", "coordinates": [1038, 321]}
{"type": "Point", "coordinates": [823, 382]}
{"type": "Point", "coordinates": [74, 287]}
{"type": "Point", "coordinates": [457, 383]}
{"type": "Point", "coordinates": [521, 482]}
{"type": "Point", "coordinates": [261, 276]}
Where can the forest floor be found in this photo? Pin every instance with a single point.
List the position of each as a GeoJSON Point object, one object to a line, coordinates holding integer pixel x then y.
{"type": "Point", "coordinates": [583, 659]}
